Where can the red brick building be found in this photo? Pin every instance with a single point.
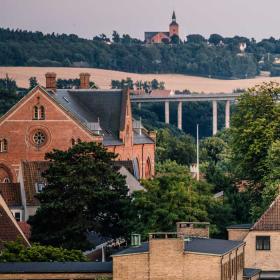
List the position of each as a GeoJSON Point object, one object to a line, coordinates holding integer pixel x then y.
{"type": "Point", "coordinates": [162, 36]}
{"type": "Point", "coordinates": [49, 118]}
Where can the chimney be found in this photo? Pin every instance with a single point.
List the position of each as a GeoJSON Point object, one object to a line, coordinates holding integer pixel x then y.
{"type": "Point", "coordinates": [51, 81]}
{"type": "Point", "coordinates": [193, 229]}
{"type": "Point", "coordinates": [84, 80]}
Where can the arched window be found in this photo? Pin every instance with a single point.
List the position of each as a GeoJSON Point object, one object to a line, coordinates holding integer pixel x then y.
{"type": "Point", "coordinates": [42, 113]}
{"type": "Point", "coordinates": [3, 146]}
{"type": "Point", "coordinates": [6, 180]}
{"type": "Point", "coordinates": [35, 113]}
{"type": "Point", "coordinates": [73, 142]}
{"type": "Point", "coordinates": [79, 141]}
{"type": "Point", "coordinates": [148, 169]}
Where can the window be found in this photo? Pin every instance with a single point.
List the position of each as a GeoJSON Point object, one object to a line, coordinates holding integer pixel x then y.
{"type": "Point", "coordinates": [35, 113]}
{"type": "Point", "coordinates": [39, 113]}
{"type": "Point", "coordinates": [17, 215]}
{"type": "Point", "coordinates": [6, 180]}
{"type": "Point", "coordinates": [39, 138]}
{"type": "Point", "coordinates": [73, 142]}
{"type": "Point", "coordinates": [42, 112]}
{"type": "Point", "coordinates": [39, 187]}
{"type": "Point", "coordinates": [79, 141]}
{"type": "Point", "coordinates": [262, 242]}
{"type": "Point", "coordinates": [3, 146]}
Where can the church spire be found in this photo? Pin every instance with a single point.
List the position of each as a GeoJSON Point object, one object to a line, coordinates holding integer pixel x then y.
{"type": "Point", "coordinates": [173, 17]}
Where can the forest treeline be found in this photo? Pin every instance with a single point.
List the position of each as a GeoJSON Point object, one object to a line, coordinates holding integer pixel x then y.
{"type": "Point", "coordinates": [195, 55]}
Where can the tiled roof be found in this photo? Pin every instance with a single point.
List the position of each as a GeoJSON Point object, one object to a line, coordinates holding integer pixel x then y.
{"type": "Point", "coordinates": [11, 194]}
{"type": "Point", "coordinates": [25, 227]}
{"type": "Point", "coordinates": [32, 174]}
{"type": "Point", "coordinates": [270, 220]}
{"type": "Point", "coordinates": [149, 35]}
{"type": "Point", "coordinates": [56, 267]}
{"type": "Point", "coordinates": [194, 245]}
{"type": "Point", "coordinates": [9, 229]}
{"type": "Point", "coordinates": [240, 226]}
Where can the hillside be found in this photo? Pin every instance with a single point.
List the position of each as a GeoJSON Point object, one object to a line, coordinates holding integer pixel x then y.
{"type": "Point", "coordinates": [103, 78]}
{"type": "Point", "coordinates": [195, 55]}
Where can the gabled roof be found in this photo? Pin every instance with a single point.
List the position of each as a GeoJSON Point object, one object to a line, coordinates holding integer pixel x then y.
{"type": "Point", "coordinates": [270, 220]}
{"type": "Point", "coordinates": [9, 228]}
{"type": "Point", "coordinates": [11, 194]}
{"type": "Point", "coordinates": [32, 174]}
{"type": "Point", "coordinates": [149, 35]}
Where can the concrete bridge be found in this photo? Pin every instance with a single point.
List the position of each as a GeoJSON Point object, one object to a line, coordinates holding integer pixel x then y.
{"type": "Point", "coordinates": [197, 97]}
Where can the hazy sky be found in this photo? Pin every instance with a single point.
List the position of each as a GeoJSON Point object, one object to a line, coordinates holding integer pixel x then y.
{"type": "Point", "coordinates": [250, 18]}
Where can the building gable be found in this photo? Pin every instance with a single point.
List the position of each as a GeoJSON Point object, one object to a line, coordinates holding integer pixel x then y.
{"type": "Point", "coordinates": [270, 220]}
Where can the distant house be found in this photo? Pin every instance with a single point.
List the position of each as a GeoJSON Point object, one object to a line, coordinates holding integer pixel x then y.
{"type": "Point", "coordinates": [262, 241]}
{"type": "Point", "coordinates": [157, 37]}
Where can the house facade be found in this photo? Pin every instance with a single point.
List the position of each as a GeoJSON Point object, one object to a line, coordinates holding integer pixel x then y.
{"type": "Point", "coordinates": [49, 118]}
{"type": "Point", "coordinates": [262, 241]}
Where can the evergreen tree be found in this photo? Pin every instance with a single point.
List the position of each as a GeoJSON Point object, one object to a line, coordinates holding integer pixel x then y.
{"type": "Point", "coordinates": [84, 193]}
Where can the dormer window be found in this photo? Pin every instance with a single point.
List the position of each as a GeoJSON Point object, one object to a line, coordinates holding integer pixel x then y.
{"type": "Point", "coordinates": [39, 113]}
{"type": "Point", "coordinates": [39, 186]}
{"type": "Point", "coordinates": [3, 146]}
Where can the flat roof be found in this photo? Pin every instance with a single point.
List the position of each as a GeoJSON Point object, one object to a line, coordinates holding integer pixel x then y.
{"type": "Point", "coordinates": [250, 272]}
{"type": "Point", "coordinates": [56, 267]}
{"type": "Point", "coordinates": [193, 245]}
{"type": "Point", "coordinates": [240, 226]}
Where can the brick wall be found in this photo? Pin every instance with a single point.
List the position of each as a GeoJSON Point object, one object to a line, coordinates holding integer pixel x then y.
{"type": "Point", "coordinates": [259, 259]}
{"type": "Point", "coordinates": [237, 234]}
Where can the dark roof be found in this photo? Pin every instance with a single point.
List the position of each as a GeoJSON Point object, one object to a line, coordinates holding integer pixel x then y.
{"type": "Point", "coordinates": [250, 272]}
{"type": "Point", "coordinates": [56, 267]}
{"type": "Point", "coordinates": [91, 106]}
{"type": "Point", "coordinates": [240, 226]}
{"type": "Point", "coordinates": [32, 174]}
{"type": "Point", "coordinates": [103, 108]}
{"type": "Point", "coordinates": [11, 194]}
{"type": "Point", "coordinates": [144, 248]}
{"type": "Point", "coordinates": [211, 246]}
{"type": "Point", "coordinates": [195, 245]}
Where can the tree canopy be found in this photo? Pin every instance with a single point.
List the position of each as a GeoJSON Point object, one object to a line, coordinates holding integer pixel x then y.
{"type": "Point", "coordinates": [84, 193]}
{"type": "Point", "coordinates": [15, 251]}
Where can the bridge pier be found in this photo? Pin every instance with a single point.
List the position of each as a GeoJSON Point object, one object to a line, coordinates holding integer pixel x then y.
{"type": "Point", "coordinates": [227, 124]}
{"type": "Point", "coordinates": [179, 115]}
{"type": "Point", "coordinates": [166, 112]}
{"type": "Point", "coordinates": [215, 117]}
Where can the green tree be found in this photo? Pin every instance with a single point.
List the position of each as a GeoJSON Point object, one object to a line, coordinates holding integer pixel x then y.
{"type": "Point", "coordinates": [255, 126]}
{"type": "Point", "coordinates": [170, 197]}
{"type": "Point", "coordinates": [14, 251]}
{"type": "Point", "coordinates": [32, 82]}
{"type": "Point", "coordinates": [84, 193]}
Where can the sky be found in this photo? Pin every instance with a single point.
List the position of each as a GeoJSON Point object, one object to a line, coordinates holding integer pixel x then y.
{"type": "Point", "coordinates": [251, 18]}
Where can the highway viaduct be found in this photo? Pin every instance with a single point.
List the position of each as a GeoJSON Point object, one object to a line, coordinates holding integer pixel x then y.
{"type": "Point", "coordinates": [194, 97]}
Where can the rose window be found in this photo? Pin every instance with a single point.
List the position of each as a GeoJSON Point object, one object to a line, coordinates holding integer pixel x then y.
{"type": "Point", "coordinates": [39, 138]}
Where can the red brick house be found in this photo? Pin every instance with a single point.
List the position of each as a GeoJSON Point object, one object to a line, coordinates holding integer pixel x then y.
{"type": "Point", "coordinates": [49, 118]}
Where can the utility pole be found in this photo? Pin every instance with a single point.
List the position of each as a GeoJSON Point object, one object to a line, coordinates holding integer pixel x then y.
{"type": "Point", "coordinates": [197, 151]}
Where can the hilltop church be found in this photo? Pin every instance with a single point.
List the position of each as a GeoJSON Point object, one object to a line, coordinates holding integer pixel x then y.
{"type": "Point", "coordinates": [162, 36]}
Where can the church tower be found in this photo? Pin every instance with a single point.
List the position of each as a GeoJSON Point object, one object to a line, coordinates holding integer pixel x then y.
{"type": "Point", "coordinates": [173, 26]}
